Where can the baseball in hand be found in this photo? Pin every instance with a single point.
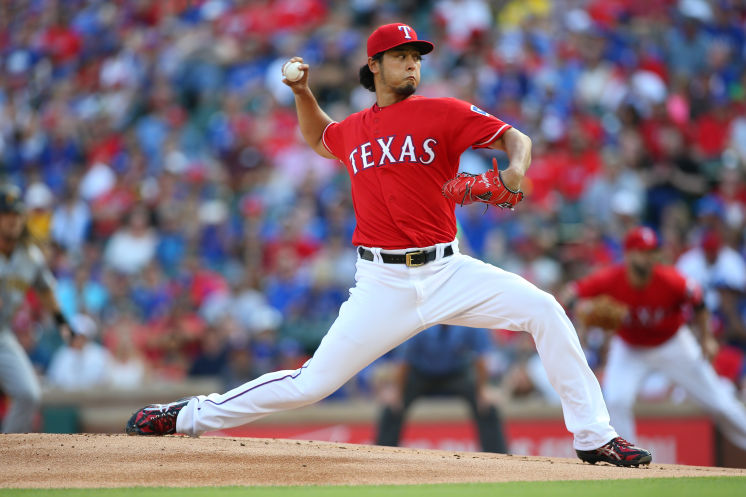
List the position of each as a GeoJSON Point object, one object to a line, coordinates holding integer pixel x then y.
{"type": "Point", "coordinates": [292, 71]}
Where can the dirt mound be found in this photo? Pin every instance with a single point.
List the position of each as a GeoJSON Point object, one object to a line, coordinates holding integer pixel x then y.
{"type": "Point", "coordinates": [87, 460]}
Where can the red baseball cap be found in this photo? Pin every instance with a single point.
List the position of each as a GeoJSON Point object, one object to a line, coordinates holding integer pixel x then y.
{"type": "Point", "coordinates": [389, 36]}
{"type": "Point", "coordinates": [641, 238]}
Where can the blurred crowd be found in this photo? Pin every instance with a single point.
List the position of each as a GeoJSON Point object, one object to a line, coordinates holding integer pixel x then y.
{"type": "Point", "coordinates": [193, 232]}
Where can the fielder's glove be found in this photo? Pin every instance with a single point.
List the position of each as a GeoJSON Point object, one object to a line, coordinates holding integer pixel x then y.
{"type": "Point", "coordinates": [602, 312]}
{"type": "Point", "coordinates": [487, 188]}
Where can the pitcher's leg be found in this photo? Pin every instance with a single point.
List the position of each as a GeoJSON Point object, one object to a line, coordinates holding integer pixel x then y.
{"type": "Point", "coordinates": [499, 299]}
{"type": "Point", "coordinates": [624, 373]}
{"type": "Point", "coordinates": [557, 343]}
{"type": "Point", "coordinates": [362, 332]}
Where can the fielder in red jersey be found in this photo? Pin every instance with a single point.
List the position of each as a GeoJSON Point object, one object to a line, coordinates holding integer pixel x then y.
{"type": "Point", "coordinates": [655, 310]}
{"type": "Point", "coordinates": [400, 154]}
{"type": "Point", "coordinates": [655, 336]}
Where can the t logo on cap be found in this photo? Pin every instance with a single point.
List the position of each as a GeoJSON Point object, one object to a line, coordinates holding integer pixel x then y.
{"type": "Point", "coordinates": [406, 31]}
{"type": "Point", "coordinates": [390, 36]}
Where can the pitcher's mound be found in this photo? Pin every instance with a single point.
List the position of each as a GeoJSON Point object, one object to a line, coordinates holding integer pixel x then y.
{"type": "Point", "coordinates": [87, 460]}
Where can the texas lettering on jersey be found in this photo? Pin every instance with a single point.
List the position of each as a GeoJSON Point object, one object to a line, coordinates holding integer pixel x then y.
{"type": "Point", "coordinates": [398, 158]}
{"type": "Point", "coordinates": [392, 151]}
{"type": "Point", "coordinates": [647, 316]}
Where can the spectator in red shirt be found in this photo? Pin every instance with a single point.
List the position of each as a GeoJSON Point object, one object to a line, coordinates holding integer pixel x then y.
{"type": "Point", "coordinates": [61, 42]}
{"type": "Point", "coordinates": [655, 336]}
{"type": "Point", "coordinates": [711, 129]}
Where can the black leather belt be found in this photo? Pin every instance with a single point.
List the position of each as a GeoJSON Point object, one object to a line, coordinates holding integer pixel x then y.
{"type": "Point", "coordinates": [414, 258]}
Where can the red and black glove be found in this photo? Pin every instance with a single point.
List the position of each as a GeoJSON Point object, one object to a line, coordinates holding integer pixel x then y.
{"type": "Point", "coordinates": [487, 188]}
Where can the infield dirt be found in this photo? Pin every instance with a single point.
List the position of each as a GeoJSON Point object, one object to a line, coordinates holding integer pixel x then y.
{"type": "Point", "coordinates": [96, 460]}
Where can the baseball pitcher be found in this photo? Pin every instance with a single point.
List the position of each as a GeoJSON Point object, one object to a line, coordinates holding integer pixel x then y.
{"type": "Point", "coordinates": [402, 155]}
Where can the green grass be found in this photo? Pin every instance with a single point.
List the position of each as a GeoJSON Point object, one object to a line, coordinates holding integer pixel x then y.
{"type": "Point", "coordinates": [658, 487]}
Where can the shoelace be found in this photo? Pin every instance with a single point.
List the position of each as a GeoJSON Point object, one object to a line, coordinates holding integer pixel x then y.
{"type": "Point", "coordinates": [622, 442]}
{"type": "Point", "coordinates": [163, 421]}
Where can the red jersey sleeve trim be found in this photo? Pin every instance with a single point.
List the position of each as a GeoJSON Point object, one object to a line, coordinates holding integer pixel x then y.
{"type": "Point", "coordinates": [323, 139]}
{"type": "Point", "coordinates": [494, 137]}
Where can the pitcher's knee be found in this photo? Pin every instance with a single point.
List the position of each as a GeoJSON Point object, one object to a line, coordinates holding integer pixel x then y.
{"type": "Point", "coordinates": [314, 391]}
{"type": "Point", "coordinates": [543, 305]}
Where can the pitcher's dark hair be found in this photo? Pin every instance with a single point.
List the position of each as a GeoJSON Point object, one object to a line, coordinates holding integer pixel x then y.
{"type": "Point", "coordinates": [366, 75]}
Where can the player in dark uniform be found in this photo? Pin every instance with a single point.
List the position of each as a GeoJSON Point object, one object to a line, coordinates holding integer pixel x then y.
{"type": "Point", "coordinates": [443, 361]}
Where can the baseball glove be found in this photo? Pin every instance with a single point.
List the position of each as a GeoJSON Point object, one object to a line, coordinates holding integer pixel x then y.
{"type": "Point", "coordinates": [602, 312]}
{"type": "Point", "coordinates": [487, 188]}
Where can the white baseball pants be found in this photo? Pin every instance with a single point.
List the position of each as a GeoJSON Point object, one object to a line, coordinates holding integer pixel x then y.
{"type": "Point", "coordinates": [681, 360]}
{"type": "Point", "coordinates": [392, 302]}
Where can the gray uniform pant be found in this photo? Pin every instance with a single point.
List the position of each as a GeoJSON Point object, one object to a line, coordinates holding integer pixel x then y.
{"type": "Point", "coordinates": [18, 381]}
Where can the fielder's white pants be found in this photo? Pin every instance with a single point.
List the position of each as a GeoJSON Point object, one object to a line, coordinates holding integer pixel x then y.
{"type": "Point", "coordinates": [392, 302]}
{"type": "Point", "coordinates": [681, 360]}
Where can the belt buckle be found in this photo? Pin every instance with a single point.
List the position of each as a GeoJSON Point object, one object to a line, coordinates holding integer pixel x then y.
{"type": "Point", "coordinates": [408, 259]}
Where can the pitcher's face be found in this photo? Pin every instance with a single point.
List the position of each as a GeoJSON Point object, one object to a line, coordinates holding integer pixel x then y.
{"type": "Point", "coordinates": [399, 70]}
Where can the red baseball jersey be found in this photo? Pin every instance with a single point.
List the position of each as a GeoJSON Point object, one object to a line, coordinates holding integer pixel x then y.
{"type": "Point", "coordinates": [398, 158]}
{"type": "Point", "coordinates": [656, 311]}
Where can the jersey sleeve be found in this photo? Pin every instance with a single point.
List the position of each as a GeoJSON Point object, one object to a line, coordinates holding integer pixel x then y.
{"type": "Point", "coordinates": [332, 139]}
{"type": "Point", "coordinates": [472, 126]}
{"type": "Point", "coordinates": [595, 284]}
{"type": "Point", "coordinates": [43, 279]}
{"type": "Point", "coordinates": [686, 290]}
